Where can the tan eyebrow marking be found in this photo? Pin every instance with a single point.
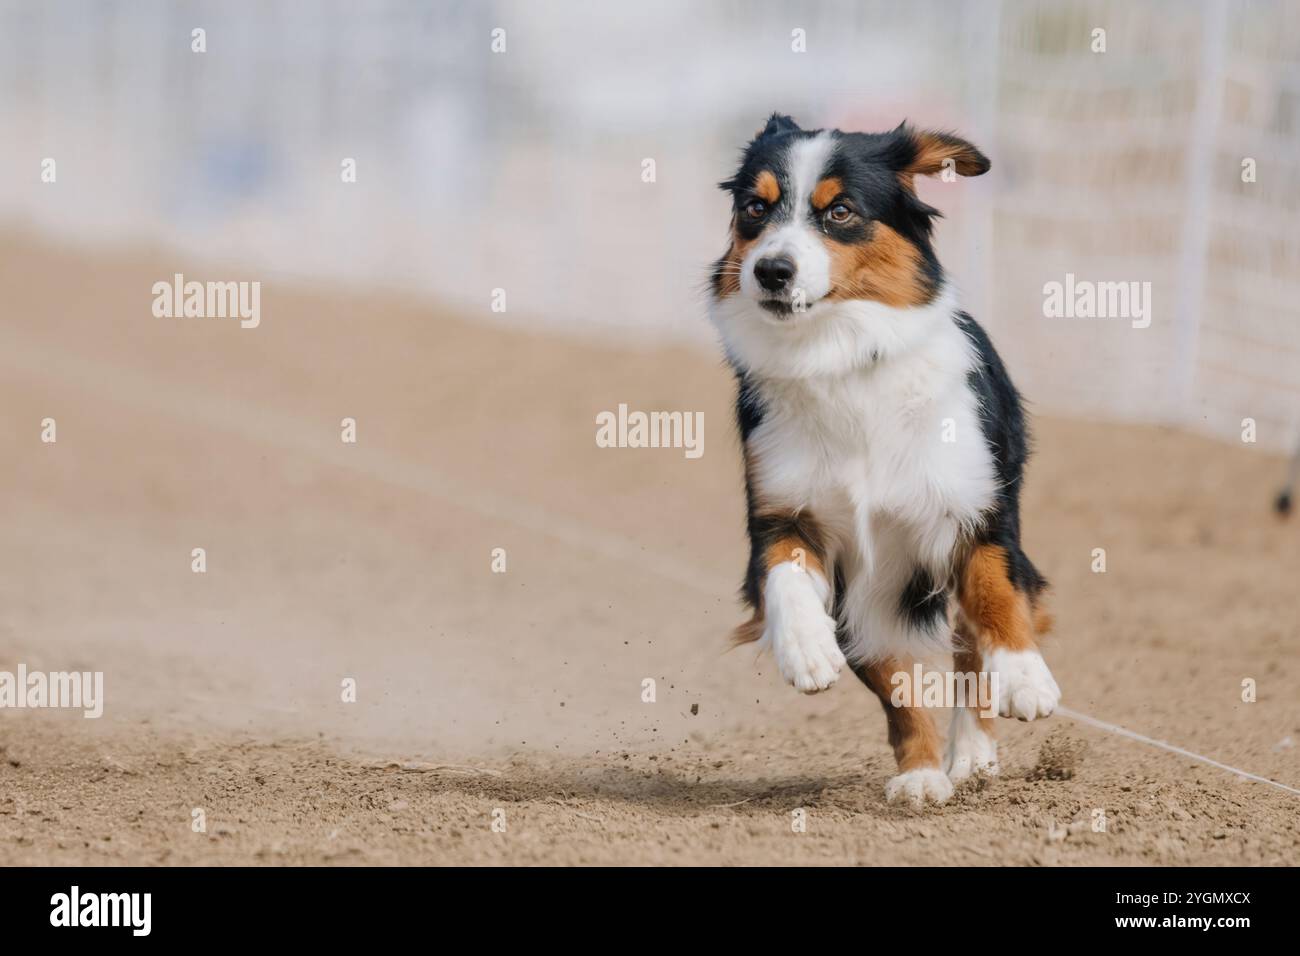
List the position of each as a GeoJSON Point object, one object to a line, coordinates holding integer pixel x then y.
{"type": "Point", "coordinates": [826, 190]}
{"type": "Point", "coordinates": [766, 187]}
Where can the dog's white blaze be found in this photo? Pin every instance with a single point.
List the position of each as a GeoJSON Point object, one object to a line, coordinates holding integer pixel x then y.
{"type": "Point", "coordinates": [796, 238]}
{"type": "Point", "coordinates": [864, 445]}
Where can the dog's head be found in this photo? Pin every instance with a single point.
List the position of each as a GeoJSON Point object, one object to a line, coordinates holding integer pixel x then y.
{"type": "Point", "coordinates": [822, 216]}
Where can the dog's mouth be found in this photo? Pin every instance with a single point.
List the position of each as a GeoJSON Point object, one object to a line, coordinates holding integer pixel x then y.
{"type": "Point", "coordinates": [780, 307]}
{"type": "Point", "coordinates": [784, 307]}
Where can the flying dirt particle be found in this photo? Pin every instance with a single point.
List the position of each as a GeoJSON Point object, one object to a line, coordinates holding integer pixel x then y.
{"type": "Point", "coordinates": [695, 710]}
{"type": "Point", "coordinates": [1058, 758]}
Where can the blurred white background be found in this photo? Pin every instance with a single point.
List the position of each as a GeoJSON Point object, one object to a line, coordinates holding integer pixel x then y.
{"type": "Point", "coordinates": [522, 170]}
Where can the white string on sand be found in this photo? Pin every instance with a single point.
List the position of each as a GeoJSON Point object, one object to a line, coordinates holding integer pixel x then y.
{"type": "Point", "coordinates": [1142, 738]}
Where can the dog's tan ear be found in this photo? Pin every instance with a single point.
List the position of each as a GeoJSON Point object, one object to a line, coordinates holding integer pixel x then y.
{"type": "Point", "coordinates": [934, 152]}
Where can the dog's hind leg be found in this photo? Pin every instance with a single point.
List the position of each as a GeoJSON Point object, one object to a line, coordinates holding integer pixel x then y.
{"type": "Point", "coordinates": [998, 590]}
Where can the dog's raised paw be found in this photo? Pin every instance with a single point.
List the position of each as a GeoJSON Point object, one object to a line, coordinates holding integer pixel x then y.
{"type": "Point", "coordinates": [806, 652]}
{"type": "Point", "coordinates": [799, 632]}
{"type": "Point", "coordinates": [919, 787]}
{"type": "Point", "coordinates": [1026, 689]}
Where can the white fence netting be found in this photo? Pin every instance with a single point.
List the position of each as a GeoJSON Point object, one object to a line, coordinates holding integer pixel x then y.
{"type": "Point", "coordinates": [523, 169]}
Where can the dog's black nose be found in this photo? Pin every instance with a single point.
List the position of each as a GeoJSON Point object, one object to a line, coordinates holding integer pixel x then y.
{"type": "Point", "coordinates": [773, 273]}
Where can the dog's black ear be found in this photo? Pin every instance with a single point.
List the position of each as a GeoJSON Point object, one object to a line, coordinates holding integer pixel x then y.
{"type": "Point", "coordinates": [929, 152]}
{"type": "Point", "coordinates": [777, 123]}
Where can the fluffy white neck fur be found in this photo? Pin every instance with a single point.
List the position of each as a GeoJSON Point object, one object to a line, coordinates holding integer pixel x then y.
{"type": "Point", "coordinates": [831, 339]}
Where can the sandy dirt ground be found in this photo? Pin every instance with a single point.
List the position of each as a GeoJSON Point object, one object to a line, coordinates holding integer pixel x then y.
{"type": "Point", "coordinates": [517, 696]}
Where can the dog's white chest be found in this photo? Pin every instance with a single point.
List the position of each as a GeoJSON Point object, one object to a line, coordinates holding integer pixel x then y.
{"type": "Point", "coordinates": [888, 456]}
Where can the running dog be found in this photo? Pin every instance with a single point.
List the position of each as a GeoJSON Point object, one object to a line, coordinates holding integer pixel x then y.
{"type": "Point", "coordinates": [884, 443]}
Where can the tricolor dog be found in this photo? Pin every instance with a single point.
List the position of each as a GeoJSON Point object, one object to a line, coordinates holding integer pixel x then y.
{"type": "Point", "coordinates": [884, 443]}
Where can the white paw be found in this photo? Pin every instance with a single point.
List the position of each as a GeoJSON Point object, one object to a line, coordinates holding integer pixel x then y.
{"type": "Point", "coordinates": [970, 750]}
{"type": "Point", "coordinates": [799, 632]}
{"type": "Point", "coordinates": [919, 787]}
{"type": "Point", "coordinates": [1025, 687]}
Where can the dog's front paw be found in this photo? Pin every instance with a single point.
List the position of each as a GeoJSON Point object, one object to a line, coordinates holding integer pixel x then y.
{"type": "Point", "coordinates": [805, 650]}
{"type": "Point", "coordinates": [1026, 688]}
{"type": "Point", "coordinates": [971, 750]}
{"type": "Point", "coordinates": [919, 787]}
{"type": "Point", "coordinates": [799, 632]}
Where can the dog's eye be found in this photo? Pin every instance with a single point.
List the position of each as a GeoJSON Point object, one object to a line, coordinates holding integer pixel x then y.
{"type": "Point", "coordinates": [755, 209]}
{"type": "Point", "coordinates": [839, 213]}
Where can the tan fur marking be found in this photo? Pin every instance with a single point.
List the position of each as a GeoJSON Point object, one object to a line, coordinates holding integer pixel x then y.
{"type": "Point", "coordinates": [934, 149]}
{"type": "Point", "coordinates": [750, 631]}
{"type": "Point", "coordinates": [826, 191]}
{"type": "Point", "coordinates": [1043, 620]}
{"type": "Point", "coordinates": [789, 547]}
{"type": "Point", "coordinates": [796, 549]}
{"type": "Point", "coordinates": [766, 187]}
{"type": "Point", "coordinates": [1001, 615]}
{"type": "Point", "coordinates": [886, 268]}
{"type": "Point", "coordinates": [729, 283]}
{"type": "Point", "coordinates": [912, 731]}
